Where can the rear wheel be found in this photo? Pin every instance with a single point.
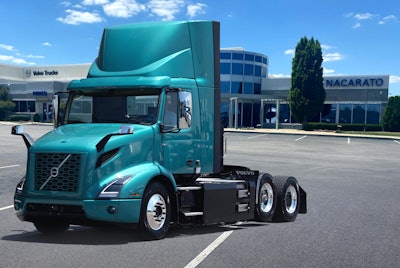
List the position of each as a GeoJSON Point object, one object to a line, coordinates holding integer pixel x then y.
{"type": "Point", "coordinates": [288, 199]}
{"type": "Point", "coordinates": [51, 227]}
{"type": "Point", "coordinates": [155, 212]}
{"type": "Point", "coordinates": [266, 204]}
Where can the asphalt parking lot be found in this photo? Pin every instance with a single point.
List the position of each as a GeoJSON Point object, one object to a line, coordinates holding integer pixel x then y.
{"type": "Point", "coordinates": [353, 187]}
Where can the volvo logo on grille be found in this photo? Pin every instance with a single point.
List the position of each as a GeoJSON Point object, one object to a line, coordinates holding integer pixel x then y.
{"type": "Point", "coordinates": [54, 172]}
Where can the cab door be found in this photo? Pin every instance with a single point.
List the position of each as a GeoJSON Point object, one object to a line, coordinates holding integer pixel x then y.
{"type": "Point", "coordinates": [177, 150]}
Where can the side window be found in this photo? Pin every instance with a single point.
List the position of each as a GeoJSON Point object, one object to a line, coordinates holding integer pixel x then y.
{"type": "Point", "coordinates": [185, 109]}
{"type": "Point", "coordinates": [170, 118]}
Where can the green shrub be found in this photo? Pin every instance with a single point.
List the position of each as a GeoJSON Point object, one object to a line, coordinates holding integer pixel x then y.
{"type": "Point", "coordinates": [36, 117]}
{"type": "Point", "coordinates": [345, 127]}
{"type": "Point", "coordinates": [20, 117]}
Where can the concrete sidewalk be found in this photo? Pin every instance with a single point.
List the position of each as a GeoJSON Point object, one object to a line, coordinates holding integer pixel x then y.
{"type": "Point", "coordinates": [305, 133]}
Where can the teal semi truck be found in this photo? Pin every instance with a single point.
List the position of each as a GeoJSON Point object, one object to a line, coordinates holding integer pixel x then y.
{"type": "Point", "coordinates": [139, 142]}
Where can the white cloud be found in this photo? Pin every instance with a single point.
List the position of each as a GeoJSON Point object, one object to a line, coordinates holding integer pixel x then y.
{"type": "Point", "coordinates": [6, 47]}
{"type": "Point", "coordinates": [6, 58]}
{"type": "Point", "coordinates": [122, 8]}
{"type": "Point", "coordinates": [65, 3]}
{"type": "Point", "coordinates": [94, 2]}
{"type": "Point", "coordinates": [279, 76]}
{"type": "Point", "coordinates": [333, 57]}
{"type": "Point", "coordinates": [356, 25]}
{"type": "Point", "coordinates": [166, 9]}
{"type": "Point", "coordinates": [35, 56]}
{"type": "Point", "coordinates": [364, 16]}
{"type": "Point", "coordinates": [75, 17]}
{"type": "Point", "coordinates": [47, 44]}
{"type": "Point", "coordinates": [289, 52]}
{"type": "Point", "coordinates": [394, 79]}
{"type": "Point", "coordinates": [194, 9]}
{"type": "Point", "coordinates": [328, 71]}
{"type": "Point", "coordinates": [390, 18]}
{"type": "Point", "coordinates": [13, 59]}
{"type": "Point", "coordinates": [326, 47]}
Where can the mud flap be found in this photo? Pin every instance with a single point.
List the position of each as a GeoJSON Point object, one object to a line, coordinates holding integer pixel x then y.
{"type": "Point", "coordinates": [303, 201]}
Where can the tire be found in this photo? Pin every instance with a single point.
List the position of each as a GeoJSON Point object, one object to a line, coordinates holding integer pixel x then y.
{"type": "Point", "coordinates": [287, 200]}
{"type": "Point", "coordinates": [266, 203]}
{"type": "Point", "coordinates": [51, 227]}
{"type": "Point", "coordinates": [155, 215]}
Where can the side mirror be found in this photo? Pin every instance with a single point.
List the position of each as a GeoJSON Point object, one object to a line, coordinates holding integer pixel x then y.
{"type": "Point", "coordinates": [56, 104]}
{"type": "Point", "coordinates": [19, 130]}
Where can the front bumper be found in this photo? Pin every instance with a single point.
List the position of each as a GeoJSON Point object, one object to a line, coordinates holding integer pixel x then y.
{"type": "Point", "coordinates": [125, 211]}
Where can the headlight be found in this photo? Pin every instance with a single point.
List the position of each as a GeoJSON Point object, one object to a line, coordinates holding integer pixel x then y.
{"type": "Point", "coordinates": [113, 189]}
{"type": "Point", "coordinates": [20, 186]}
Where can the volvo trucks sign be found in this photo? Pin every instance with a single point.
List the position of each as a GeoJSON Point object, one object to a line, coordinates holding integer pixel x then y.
{"type": "Point", "coordinates": [40, 73]}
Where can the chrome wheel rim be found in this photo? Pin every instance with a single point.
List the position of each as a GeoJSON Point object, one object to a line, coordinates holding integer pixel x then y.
{"type": "Point", "coordinates": [291, 199]}
{"type": "Point", "coordinates": [266, 197]}
{"type": "Point", "coordinates": [156, 212]}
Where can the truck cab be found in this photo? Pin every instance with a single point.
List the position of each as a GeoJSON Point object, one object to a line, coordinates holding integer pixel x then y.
{"type": "Point", "coordinates": [139, 142]}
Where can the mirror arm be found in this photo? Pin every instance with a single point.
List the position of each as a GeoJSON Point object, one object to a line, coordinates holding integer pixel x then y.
{"type": "Point", "coordinates": [26, 137]}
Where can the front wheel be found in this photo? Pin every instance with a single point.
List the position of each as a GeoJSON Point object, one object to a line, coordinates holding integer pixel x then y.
{"type": "Point", "coordinates": [266, 202]}
{"type": "Point", "coordinates": [155, 213]}
{"type": "Point", "coordinates": [288, 199]}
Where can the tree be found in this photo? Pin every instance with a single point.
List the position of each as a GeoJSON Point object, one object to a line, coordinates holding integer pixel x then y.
{"type": "Point", "coordinates": [391, 117]}
{"type": "Point", "coordinates": [6, 104]}
{"type": "Point", "coordinates": [307, 93]}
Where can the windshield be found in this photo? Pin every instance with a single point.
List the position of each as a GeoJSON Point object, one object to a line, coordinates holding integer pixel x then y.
{"type": "Point", "coordinates": [130, 108]}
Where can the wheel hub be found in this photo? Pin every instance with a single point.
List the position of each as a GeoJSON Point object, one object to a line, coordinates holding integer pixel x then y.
{"type": "Point", "coordinates": [156, 212]}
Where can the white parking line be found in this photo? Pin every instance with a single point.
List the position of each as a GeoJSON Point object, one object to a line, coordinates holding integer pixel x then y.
{"type": "Point", "coordinates": [348, 140]}
{"type": "Point", "coordinates": [11, 166]}
{"type": "Point", "coordinates": [207, 251]}
{"type": "Point", "coordinates": [257, 136]}
{"type": "Point", "coordinates": [301, 138]}
{"type": "Point", "coordinates": [4, 208]}
{"type": "Point", "coordinates": [396, 141]}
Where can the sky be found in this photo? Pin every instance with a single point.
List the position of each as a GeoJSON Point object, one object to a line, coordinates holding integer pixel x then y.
{"type": "Point", "coordinates": [358, 37]}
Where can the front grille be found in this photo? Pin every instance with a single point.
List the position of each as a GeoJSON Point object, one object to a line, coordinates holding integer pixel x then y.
{"type": "Point", "coordinates": [57, 172]}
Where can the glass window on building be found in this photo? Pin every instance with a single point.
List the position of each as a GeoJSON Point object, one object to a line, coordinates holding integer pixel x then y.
{"type": "Point", "coordinates": [358, 114]}
{"type": "Point", "coordinates": [269, 112]}
{"type": "Point", "coordinates": [225, 56]}
{"type": "Point", "coordinates": [257, 71]}
{"type": "Point", "coordinates": [284, 113]}
{"type": "Point", "coordinates": [263, 72]}
{"type": "Point", "coordinates": [237, 68]}
{"type": "Point", "coordinates": [225, 114]}
{"type": "Point", "coordinates": [237, 56]}
{"type": "Point", "coordinates": [329, 113]}
{"type": "Point", "coordinates": [225, 68]}
{"type": "Point", "coordinates": [256, 114]}
{"type": "Point", "coordinates": [249, 57]}
{"type": "Point", "coordinates": [24, 107]}
{"type": "Point", "coordinates": [236, 88]}
{"type": "Point", "coordinates": [225, 87]}
{"type": "Point", "coordinates": [249, 69]}
{"type": "Point", "coordinates": [258, 58]}
{"type": "Point", "coordinates": [345, 113]}
{"type": "Point", "coordinates": [247, 116]}
{"type": "Point", "coordinates": [248, 88]}
{"type": "Point", "coordinates": [257, 88]}
{"type": "Point", "coordinates": [265, 60]}
{"type": "Point", "coordinates": [373, 113]}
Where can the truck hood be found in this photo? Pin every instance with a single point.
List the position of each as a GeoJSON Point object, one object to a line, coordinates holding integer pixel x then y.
{"type": "Point", "coordinates": [84, 137]}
